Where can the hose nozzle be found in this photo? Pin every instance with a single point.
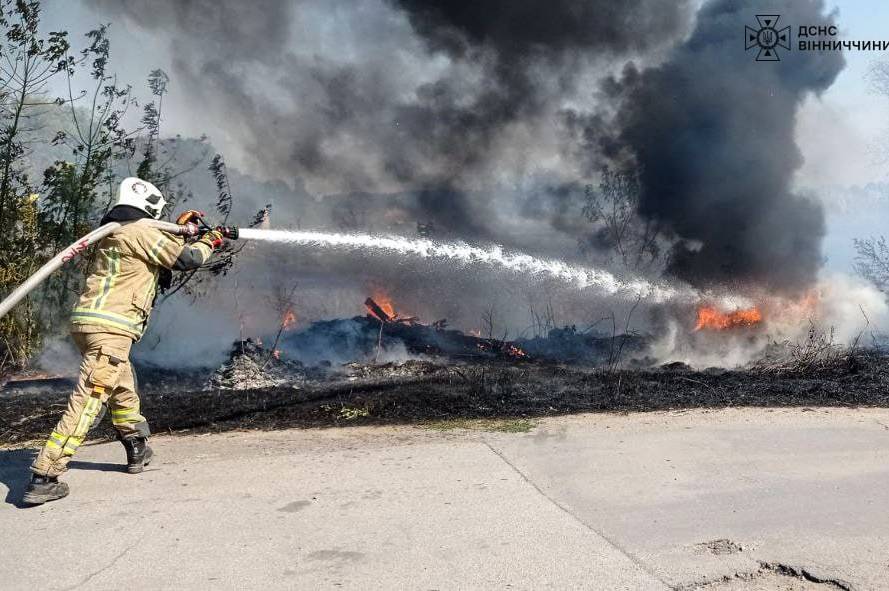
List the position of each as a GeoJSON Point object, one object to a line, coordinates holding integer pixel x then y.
{"type": "Point", "coordinates": [230, 232]}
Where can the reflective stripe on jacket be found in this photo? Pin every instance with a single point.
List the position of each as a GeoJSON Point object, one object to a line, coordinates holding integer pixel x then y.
{"type": "Point", "coordinates": [120, 288]}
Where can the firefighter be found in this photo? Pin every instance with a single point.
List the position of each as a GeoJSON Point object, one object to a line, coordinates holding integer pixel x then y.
{"type": "Point", "coordinates": [110, 316]}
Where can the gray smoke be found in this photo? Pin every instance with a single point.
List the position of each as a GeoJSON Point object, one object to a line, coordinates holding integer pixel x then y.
{"type": "Point", "coordinates": [437, 99]}
{"type": "Point", "coordinates": [711, 132]}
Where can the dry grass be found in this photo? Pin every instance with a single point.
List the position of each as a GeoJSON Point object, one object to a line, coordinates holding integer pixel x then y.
{"type": "Point", "coordinates": [496, 425]}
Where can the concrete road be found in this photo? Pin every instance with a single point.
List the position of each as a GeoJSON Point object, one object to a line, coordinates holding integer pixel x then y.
{"type": "Point", "coordinates": [733, 499]}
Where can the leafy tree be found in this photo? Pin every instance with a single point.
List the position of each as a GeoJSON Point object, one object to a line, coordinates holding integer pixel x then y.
{"type": "Point", "coordinates": [151, 120]}
{"type": "Point", "coordinates": [28, 60]}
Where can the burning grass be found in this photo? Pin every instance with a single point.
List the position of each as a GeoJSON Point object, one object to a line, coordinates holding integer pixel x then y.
{"type": "Point", "coordinates": [459, 381]}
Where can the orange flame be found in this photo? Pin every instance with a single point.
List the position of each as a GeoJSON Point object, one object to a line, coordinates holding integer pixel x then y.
{"type": "Point", "coordinates": [712, 319]}
{"type": "Point", "coordinates": [288, 320]}
{"type": "Point", "coordinates": [277, 353]}
{"type": "Point", "coordinates": [514, 351]}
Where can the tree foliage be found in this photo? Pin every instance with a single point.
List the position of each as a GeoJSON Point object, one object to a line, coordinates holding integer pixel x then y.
{"type": "Point", "coordinates": [160, 162]}
{"type": "Point", "coordinates": [28, 60]}
{"type": "Point", "coordinates": [76, 191]}
{"type": "Point", "coordinates": [43, 211]}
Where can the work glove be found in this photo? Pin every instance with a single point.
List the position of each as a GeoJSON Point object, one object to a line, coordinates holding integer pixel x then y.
{"type": "Point", "coordinates": [189, 216]}
{"type": "Point", "coordinates": [191, 229]}
{"type": "Point", "coordinates": [213, 239]}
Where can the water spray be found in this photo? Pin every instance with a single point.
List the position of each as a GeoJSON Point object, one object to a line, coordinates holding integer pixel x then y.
{"type": "Point", "coordinates": [578, 276]}
{"type": "Point", "coordinates": [460, 252]}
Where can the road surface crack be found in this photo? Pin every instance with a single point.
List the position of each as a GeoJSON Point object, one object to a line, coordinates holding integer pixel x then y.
{"type": "Point", "coordinates": [800, 572]}
{"type": "Point", "coordinates": [630, 556]}
{"type": "Point", "coordinates": [91, 576]}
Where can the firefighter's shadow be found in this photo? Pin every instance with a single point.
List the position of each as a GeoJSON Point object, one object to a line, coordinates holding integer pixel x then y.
{"type": "Point", "coordinates": [100, 466]}
{"type": "Point", "coordinates": [14, 473]}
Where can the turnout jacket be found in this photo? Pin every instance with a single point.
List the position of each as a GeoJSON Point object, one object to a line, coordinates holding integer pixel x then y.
{"type": "Point", "coordinates": [121, 286]}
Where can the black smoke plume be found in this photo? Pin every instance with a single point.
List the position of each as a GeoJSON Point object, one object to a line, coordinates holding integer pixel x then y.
{"type": "Point", "coordinates": [711, 132]}
{"type": "Point", "coordinates": [524, 29]}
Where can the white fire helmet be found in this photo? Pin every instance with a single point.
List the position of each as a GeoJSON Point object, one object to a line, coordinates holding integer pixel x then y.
{"type": "Point", "coordinates": [142, 195]}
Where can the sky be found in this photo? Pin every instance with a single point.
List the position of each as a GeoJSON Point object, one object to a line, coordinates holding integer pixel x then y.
{"type": "Point", "coordinates": [841, 132]}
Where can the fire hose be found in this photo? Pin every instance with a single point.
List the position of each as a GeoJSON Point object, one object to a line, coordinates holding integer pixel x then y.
{"type": "Point", "coordinates": [80, 246]}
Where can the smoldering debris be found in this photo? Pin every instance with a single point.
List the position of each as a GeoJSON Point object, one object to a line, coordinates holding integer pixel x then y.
{"type": "Point", "coordinates": [368, 338]}
{"type": "Point", "coordinates": [411, 368]}
{"type": "Point", "coordinates": [384, 344]}
{"type": "Point", "coordinates": [567, 344]}
{"type": "Point", "coordinates": [251, 366]}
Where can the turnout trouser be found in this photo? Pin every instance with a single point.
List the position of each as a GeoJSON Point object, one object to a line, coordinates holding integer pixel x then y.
{"type": "Point", "coordinates": [106, 376]}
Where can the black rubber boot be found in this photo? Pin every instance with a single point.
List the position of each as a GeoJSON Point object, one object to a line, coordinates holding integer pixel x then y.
{"type": "Point", "coordinates": [42, 489]}
{"type": "Point", "coordinates": [138, 453]}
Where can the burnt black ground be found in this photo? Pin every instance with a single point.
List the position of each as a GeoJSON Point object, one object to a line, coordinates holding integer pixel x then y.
{"type": "Point", "coordinates": [418, 391]}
